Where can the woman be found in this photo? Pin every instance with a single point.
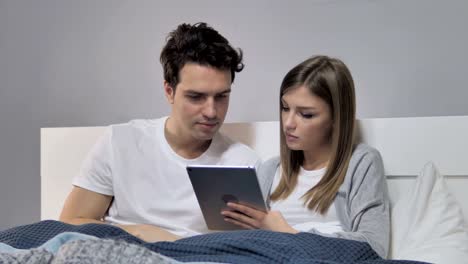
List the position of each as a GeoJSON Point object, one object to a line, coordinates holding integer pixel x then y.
{"type": "Point", "coordinates": [323, 183]}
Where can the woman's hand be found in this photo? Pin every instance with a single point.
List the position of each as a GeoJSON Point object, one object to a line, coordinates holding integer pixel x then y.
{"type": "Point", "coordinates": [251, 218]}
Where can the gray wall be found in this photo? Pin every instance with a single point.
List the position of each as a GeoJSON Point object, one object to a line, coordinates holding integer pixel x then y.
{"type": "Point", "coordinates": [86, 63]}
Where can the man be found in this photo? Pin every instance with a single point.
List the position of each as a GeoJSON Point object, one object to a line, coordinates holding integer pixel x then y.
{"type": "Point", "coordinates": [135, 176]}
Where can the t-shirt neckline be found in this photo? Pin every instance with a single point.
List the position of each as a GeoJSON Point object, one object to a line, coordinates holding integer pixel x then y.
{"type": "Point", "coordinates": [169, 150]}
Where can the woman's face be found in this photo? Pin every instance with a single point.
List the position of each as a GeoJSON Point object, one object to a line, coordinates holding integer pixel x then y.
{"type": "Point", "coordinates": [307, 120]}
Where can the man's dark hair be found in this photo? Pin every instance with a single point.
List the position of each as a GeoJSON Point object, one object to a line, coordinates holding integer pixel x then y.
{"type": "Point", "coordinates": [200, 44]}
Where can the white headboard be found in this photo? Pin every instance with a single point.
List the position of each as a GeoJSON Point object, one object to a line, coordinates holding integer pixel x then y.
{"type": "Point", "coordinates": [406, 144]}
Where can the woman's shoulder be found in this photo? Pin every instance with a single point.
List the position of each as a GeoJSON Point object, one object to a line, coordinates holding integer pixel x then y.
{"type": "Point", "coordinates": [364, 160]}
{"type": "Point", "coordinates": [365, 153]}
{"type": "Point", "coordinates": [266, 172]}
{"type": "Point", "coordinates": [268, 168]}
{"type": "Point", "coordinates": [272, 162]}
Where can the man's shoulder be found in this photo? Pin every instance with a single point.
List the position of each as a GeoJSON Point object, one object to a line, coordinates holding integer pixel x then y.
{"type": "Point", "coordinates": [229, 143]}
{"type": "Point", "coordinates": [134, 131]}
{"type": "Point", "coordinates": [228, 146]}
{"type": "Point", "coordinates": [136, 126]}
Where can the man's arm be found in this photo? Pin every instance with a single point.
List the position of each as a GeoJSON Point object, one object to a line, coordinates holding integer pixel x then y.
{"type": "Point", "coordinates": [83, 206]}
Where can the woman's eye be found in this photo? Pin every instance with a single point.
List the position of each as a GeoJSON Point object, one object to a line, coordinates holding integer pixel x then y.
{"type": "Point", "coordinates": [284, 109]}
{"type": "Point", "coordinates": [306, 115]}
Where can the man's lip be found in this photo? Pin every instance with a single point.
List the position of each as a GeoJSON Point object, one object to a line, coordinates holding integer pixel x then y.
{"type": "Point", "coordinates": [207, 124]}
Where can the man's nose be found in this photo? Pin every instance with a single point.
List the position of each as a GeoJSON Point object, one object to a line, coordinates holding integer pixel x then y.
{"type": "Point", "coordinates": [209, 109]}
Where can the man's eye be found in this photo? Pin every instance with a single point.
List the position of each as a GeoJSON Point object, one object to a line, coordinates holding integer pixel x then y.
{"type": "Point", "coordinates": [194, 97]}
{"type": "Point", "coordinates": [221, 96]}
{"type": "Point", "coordinates": [284, 109]}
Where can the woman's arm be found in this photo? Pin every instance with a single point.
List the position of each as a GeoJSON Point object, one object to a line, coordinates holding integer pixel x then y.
{"type": "Point", "coordinates": [363, 205]}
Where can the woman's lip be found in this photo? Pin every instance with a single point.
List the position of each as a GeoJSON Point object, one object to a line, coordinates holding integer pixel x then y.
{"type": "Point", "coordinates": [291, 137]}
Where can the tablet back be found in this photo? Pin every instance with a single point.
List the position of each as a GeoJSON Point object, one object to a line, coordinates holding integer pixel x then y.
{"type": "Point", "coordinates": [215, 185]}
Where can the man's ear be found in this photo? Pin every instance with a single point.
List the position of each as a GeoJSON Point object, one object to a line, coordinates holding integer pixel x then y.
{"type": "Point", "coordinates": [169, 92]}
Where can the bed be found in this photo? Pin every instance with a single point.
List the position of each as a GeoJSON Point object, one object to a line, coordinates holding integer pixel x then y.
{"type": "Point", "coordinates": [429, 211]}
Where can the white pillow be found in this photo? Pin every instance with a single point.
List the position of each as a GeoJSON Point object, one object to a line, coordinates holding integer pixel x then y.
{"type": "Point", "coordinates": [427, 223]}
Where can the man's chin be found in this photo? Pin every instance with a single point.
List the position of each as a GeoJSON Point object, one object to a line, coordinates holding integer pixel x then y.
{"type": "Point", "coordinates": [205, 135]}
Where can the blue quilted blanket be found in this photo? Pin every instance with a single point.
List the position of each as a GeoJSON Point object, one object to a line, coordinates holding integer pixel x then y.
{"type": "Point", "coordinates": [255, 246]}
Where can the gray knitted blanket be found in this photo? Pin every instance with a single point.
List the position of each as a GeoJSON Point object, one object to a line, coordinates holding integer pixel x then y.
{"type": "Point", "coordinates": [89, 251]}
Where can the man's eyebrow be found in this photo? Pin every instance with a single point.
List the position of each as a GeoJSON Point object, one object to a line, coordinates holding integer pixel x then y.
{"type": "Point", "coordinates": [192, 92]}
{"type": "Point", "coordinates": [225, 91]}
{"type": "Point", "coordinates": [197, 92]}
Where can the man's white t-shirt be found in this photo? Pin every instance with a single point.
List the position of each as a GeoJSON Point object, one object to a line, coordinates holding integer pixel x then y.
{"type": "Point", "coordinates": [296, 212]}
{"type": "Point", "coordinates": [134, 163]}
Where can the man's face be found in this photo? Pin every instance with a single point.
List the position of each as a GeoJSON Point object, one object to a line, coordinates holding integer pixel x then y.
{"type": "Point", "coordinates": [200, 100]}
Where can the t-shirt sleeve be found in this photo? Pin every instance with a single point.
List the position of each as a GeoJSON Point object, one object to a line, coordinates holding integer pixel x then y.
{"type": "Point", "coordinates": [95, 173]}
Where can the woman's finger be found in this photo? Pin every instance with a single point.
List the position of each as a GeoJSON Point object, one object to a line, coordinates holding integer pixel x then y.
{"type": "Point", "coordinates": [234, 221]}
{"type": "Point", "coordinates": [240, 217]}
{"type": "Point", "coordinates": [253, 213]}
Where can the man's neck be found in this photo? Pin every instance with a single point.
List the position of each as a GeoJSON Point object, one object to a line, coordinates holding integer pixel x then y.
{"type": "Point", "coordinates": [183, 144]}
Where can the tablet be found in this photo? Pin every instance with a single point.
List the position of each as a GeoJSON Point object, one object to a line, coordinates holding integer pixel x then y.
{"type": "Point", "coordinates": [216, 185]}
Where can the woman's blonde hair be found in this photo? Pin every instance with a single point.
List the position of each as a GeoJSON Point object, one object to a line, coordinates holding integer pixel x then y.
{"type": "Point", "coordinates": [329, 79]}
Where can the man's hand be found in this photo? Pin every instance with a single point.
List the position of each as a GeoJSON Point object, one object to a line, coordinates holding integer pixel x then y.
{"type": "Point", "coordinates": [251, 218]}
{"type": "Point", "coordinates": [149, 233]}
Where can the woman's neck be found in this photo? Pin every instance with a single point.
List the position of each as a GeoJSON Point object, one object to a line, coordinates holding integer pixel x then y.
{"type": "Point", "coordinates": [317, 158]}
